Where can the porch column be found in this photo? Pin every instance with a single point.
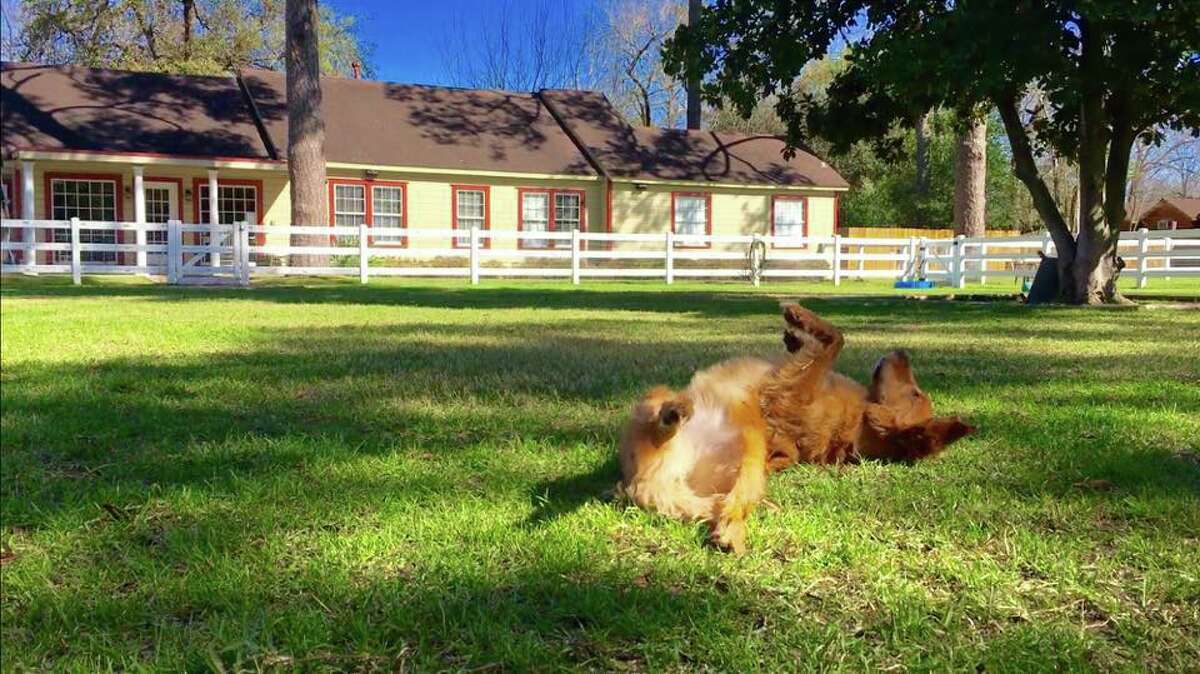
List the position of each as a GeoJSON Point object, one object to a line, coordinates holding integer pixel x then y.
{"type": "Point", "coordinates": [139, 210]}
{"type": "Point", "coordinates": [28, 234]}
{"type": "Point", "coordinates": [214, 218]}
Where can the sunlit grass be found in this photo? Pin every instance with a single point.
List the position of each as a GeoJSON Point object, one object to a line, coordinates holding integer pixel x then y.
{"type": "Point", "coordinates": [321, 476]}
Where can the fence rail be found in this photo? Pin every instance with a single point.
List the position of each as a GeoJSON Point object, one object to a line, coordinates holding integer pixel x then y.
{"type": "Point", "coordinates": [235, 253]}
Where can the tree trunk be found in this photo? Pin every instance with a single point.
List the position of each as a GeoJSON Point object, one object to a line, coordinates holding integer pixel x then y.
{"type": "Point", "coordinates": [1095, 267]}
{"type": "Point", "coordinates": [970, 178]}
{"type": "Point", "coordinates": [921, 158]}
{"type": "Point", "coordinates": [922, 153]}
{"type": "Point", "coordinates": [693, 83]}
{"type": "Point", "coordinates": [306, 129]}
{"type": "Point", "coordinates": [189, 16]}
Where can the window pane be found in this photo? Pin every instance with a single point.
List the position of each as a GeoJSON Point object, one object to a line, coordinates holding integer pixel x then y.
{"type": "Point", "coordinates": [566, 212]}
{"type": "Point", "coordinates": [86, 200]}
{"type": "Point", "coordinates": [789, 217]}
{"type": "Point", "coordinates": [690, 215]}
{"type": "Point", "coordinates": [535, 217]}
{"type": "Point", "coordinates": [387, 210]}
{"type": "Point", "coordinates": [470, 205]}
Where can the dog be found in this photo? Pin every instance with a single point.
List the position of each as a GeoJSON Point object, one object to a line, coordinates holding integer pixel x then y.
{"type": "Point", "coordinates": [704, 453]}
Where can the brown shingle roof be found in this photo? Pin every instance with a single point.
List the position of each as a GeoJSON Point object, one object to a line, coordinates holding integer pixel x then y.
{"type": "Point", "coordinates": [379, 123]}
{"type": "Point", "coordinates": [75, 108]}
{"type": "Point", "coordinates": [369, 122]}
{"type": "Point", "coordinates": [1187, 205]}
{"type": "Point", "coordinates": [682, 155]}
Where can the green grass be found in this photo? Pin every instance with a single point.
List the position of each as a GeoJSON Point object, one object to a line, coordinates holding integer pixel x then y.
{"type": "Point", "coordinates": [323, 476]}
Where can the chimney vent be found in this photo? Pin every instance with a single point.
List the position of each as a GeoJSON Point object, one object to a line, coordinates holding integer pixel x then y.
{"type": "Point", "coordinates": [357, 68]}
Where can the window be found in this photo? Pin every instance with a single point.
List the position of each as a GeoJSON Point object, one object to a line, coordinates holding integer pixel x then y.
{"type": "Point", "coordinates": [470, 212]}
{"type": "Point", "coordinates": [387, 210]}
{"type": "Point", "coordinates": [691, 212]}
{"type": "Point", "coordinates": [86, 199]}
{"type": "Point", "coordinates": [349, 210]}
{"type": "Point", "coordinates": [363, 202]}
{"type": "Point", "coordinates": [160, 208]}
{"type": "Point", "coordinates": [549, 211]}
{"type": "Point", "coordinates": [235, 203]}
{"type": "Point", "coordinates": [789, 216]}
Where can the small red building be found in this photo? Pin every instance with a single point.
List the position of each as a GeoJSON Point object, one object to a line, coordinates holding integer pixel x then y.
{"type": "Point", "coordinates": [1171, 213]}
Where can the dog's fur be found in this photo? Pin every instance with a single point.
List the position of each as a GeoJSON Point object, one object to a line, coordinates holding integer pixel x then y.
{"type": "Point", "coordinates": [703, 454]}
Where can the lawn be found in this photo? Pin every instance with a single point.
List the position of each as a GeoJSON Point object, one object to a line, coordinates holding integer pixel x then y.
{"type": "Point", "coordinates": [324, 476]}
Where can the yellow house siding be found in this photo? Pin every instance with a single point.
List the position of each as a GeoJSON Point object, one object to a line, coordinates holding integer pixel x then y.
{"type": "Point", "coordinates": [734, 211]}
{"type": "Point", "coordinates": [430, 202]}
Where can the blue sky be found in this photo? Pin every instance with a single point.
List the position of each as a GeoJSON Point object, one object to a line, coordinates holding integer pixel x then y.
{"type": "Point", "coordinates": [406, 33]}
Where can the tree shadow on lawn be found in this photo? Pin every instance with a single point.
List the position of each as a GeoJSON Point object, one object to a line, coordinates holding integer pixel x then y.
{"type": "Point", "coordinates": [74, 429]}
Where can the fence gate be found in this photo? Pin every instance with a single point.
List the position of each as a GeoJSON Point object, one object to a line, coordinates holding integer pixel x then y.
{"type": "Point", "coordinates": [208, 254]}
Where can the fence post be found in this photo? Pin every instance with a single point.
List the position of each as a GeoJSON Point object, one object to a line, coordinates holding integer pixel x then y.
{"type": "Point", "coordinates": [1046, 242]}
{"type": "Point", "coordinates": [1168, 247]}
{"type": "Point", "coordinates": [575, 256]}
{"type": "Point", "coordinates": [836, 262]}
{"type": "Point", "coordinates": [1143, 249]}
{"type": "Point", "coordinates": [474, 256]}
{"type": "Point", "coordinates": [670, 254]}
{"type": "Point", "coordinates": [76, 257]}
{"type": "Point", "coordinates": [960, 279]}
{"type": "Point", "coordinates": [983, 263]}
{"type": "Point", "coordinates": [363, 258]}
{"type": "Point", "coordinates": [173, 239]}
{"type": "Point", "coordinates": [243, 261]}
{"type": "Point", "coordinates": [861, 262]}
{"type": "Point", "coordinates": [910, 271]}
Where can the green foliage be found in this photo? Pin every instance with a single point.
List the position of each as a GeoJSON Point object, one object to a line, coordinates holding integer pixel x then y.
{"type": "Point", "coordinates": [200, 37]}
{"type": "Point", "coordinates": [319, 476]}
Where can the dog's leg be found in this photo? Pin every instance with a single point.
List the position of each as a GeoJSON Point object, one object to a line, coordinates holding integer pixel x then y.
{"type": "Point", "coordinates": [661, 412]}
{"type": "Point", "coordinates": [815, 345]}
{"type": "Point", "coordinates": [727, 528]}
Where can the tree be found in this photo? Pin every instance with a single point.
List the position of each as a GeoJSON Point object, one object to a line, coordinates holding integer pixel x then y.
{"type": "Point", "coordinates": [529, 46]}
{"type": "Point", "coordinates": [970, 178]}
{"type": "Point", "coordinates": [306, 129]}
{"type": "Point", "coordinates": [200, 37]}
{"type": "Point", "coordinates": [1112, 71]}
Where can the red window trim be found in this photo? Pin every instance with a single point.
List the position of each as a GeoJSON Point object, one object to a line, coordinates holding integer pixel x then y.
{"type": "Point", "coordinates": [804, 230]}
{"type": "Point", "coordinates": [552, 215]}
{"type": "Point", "coordinates": [15, 186]}
{"type": "Point", "coordinates": [118, 201]}
{"type": "Point", "coordinates": [178, 189]}
{"type": "Point", "coordinates": [487, 211]}
{"type": "Point", "coordinates": [369, 205]}
{"type": "Point", "coordinates": [707, 216]}
{"type": "Point", "coordinates": [197, 183]}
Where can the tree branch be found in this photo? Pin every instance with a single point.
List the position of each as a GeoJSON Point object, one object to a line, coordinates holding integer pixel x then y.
{"type": "Point", "coordinates": [1025, 167]}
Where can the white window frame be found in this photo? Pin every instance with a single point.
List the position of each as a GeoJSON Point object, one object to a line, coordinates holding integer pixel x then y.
{"type": "Point", "coordinates": [106, 236]}
{"type": "Point", "coordinates": [463, 240]}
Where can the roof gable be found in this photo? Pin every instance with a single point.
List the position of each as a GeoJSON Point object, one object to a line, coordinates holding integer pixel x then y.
{"type": "Point", "coordinates": [683, 155]}
{"type": "Point", "coordinates": [381, 123]}
{"type": "Point", "coordinates": [90, 109]}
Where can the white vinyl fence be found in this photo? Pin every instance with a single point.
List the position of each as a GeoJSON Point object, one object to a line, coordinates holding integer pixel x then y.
{"type": "Point", "coordinates": [233, 254]}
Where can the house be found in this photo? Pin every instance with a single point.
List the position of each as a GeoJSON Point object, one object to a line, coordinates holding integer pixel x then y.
{"type": "Point", "coordinates": [110, 145]}
{"type": "Point", "coordinates": [1171, 213]}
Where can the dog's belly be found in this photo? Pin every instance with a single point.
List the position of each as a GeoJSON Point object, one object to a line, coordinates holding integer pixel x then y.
{"type": "Point", "coordinates": [696, 468]}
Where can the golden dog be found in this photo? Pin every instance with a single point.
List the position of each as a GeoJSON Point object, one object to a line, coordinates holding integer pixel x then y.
{"type": "Point", "coordinates": [703, 454]}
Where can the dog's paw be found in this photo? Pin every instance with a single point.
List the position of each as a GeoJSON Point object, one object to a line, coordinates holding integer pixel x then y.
{"type": "Point", "coordinates": [729, 536]}
{"type": "Point", "coordinates": [802, 324]}
{"type": "Point", "coordinates": [674, 412]}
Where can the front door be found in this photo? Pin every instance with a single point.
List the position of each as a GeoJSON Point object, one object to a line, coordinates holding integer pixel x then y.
{"type": "Point", "coordinates": [162, 205]}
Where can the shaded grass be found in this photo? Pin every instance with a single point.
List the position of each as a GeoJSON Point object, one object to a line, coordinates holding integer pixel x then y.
{"type": "Point", "coordinates": [324, 476]}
